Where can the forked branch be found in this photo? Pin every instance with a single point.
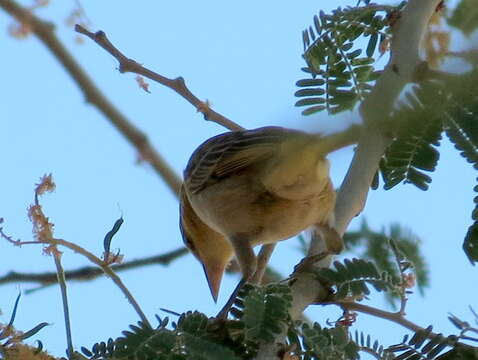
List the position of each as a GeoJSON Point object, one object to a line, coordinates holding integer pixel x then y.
{"type": "Point", "coordinates": [178, 85]}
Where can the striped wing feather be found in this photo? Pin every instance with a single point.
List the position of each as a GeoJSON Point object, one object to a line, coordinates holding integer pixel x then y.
{"type": "Point", "coordinates": [229, 153]}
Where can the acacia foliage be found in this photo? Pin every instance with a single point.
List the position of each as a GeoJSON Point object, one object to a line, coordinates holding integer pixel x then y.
{"type": "Point", "coordinates": [439, 104]}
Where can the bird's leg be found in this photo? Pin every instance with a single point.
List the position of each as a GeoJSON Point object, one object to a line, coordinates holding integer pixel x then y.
{"type": "Point", "coordinates": [307, 263]}
{"type": "Point", "coordinates": [248, 263]}
{"type": "Point", "coordinates": [332, 244]}
{"type": "Point", "coordinates": [262, 261]}
{"type": "Point", "coordinates": [333, 241]}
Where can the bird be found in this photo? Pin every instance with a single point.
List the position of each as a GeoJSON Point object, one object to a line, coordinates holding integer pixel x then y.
{"type": "Point", "coordinates": [253, 187]}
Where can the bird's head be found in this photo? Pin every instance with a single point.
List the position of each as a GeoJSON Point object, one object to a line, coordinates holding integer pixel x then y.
{"type": "Point", "coordinates": [212, 249]}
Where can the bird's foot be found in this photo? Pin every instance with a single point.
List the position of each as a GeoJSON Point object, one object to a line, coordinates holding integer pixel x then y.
{"type": "Point", "coordinates": [307, 263]}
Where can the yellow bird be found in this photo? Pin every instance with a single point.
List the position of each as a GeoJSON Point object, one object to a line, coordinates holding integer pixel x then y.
{"type": "Point", "coordinates": [251, 187]}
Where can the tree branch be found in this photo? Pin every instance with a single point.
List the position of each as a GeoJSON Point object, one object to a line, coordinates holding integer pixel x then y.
{"type": "Point", "coordinates": [91, 272]}
{"type": "Point", "coordinates": [45, 33]}
{"type": "Point", "coordinates": [400, 70]}
{"type": "Point", "coordinates": [95, 260]}
{"type": "Point", "coordinates": [178, 85]}
{"type": "Point", "coordinates": [395, 317]}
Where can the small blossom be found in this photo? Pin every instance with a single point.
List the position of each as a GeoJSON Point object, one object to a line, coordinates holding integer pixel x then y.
{"type": "Point", "coordinates": [142, 84]}
{"type": "Point", "coordinates": [409, 280]}
{"type": "Point", "coordinates": [46, 185]}
{"type": "Point", "coordinates": [42, 228]}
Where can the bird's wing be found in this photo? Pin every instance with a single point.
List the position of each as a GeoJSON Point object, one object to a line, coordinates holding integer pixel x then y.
{"type": "Point", "coordinates": [229, 153]}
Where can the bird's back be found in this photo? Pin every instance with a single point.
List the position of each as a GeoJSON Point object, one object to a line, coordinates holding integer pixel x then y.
{"type": "Point", "coordinates": [227, 154]}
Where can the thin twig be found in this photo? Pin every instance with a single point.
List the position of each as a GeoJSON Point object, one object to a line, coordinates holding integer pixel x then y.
{"type": "Point", "coordinates": [45, 32]}
{"type": "Point", "coordinates": [178, 85]}
{"type": "Point", "coordinates": [395, 317]}
{"type": "Point", "coordinates": [90, 272]}
{"type": "Point", "coordinates": [109, 272]}
{"type": "Point", "coordinates": [64, 297]}
{"type": "Point", "coordinates": [95, 260]}
{"type": "Point", "coordinates": [43, 231]}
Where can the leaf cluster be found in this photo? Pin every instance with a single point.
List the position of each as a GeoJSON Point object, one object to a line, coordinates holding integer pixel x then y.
{"type": "Point", "coordinates": [422, 345]}
{"type": "Point", "coordinates": [262, 314]}
{"type": "Point", "coordinates": [194, 336]}
{"type": "Point", "coordinates": [417, 126]}
{"type": "Point", "coordinates": [264, 311]}
{"type": "Point", "coordinates": [374, 245]}
{"type": "Point", "coordinates": [340, 75]}
{"type": "Point", "coordinates": [316, 342]}
{"type": "Point", "coordinates": [434, 108]}
{"type": "Point", "coordinates": [352, 278]}
{"type": "Point", "coordinates": [11, 339]}
{"type": "Point", "coordinates": [365, 344]}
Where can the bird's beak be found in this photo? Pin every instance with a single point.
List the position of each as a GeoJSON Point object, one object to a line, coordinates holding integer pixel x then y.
{"type": "Point", "coordinates": [214, 274]}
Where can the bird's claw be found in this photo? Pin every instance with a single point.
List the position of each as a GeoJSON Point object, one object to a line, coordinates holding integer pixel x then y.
{"type": "Point", "coordinates": [307, 263]}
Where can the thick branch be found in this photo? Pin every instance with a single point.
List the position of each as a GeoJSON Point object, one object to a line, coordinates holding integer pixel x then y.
{"type": "Point", "coordinates": [178, 84]}
{"type": "Point", "coordinates": [407, 34]}
{"type": "Point", "coordinates": [45, 32]}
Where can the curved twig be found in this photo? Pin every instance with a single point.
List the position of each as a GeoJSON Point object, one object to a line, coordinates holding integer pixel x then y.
{"type": "Point", "coordinates": [45, 32]}
{"type": "Point", "coordinates": [129, 65]}
{"type": "Point", "coordinates": [100, 263]}
{"type": "Point", "coordinates": [90, 272]}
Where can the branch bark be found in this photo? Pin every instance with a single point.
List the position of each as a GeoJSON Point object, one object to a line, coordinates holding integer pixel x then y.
{"type": "Point", "coordinates": [178, 85]}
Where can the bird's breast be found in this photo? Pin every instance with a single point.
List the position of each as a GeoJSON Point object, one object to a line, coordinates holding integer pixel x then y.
{"type": "Point", "coordinates": [239, 206]}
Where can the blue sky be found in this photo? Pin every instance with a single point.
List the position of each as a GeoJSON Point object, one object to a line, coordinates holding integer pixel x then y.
{"type": "Point", "coordinates": [244, 57]}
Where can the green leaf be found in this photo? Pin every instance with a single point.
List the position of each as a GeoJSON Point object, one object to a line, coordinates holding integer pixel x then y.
{"type": "Point", "coordinates": [200, 349]}
{"type": "Point", "coordinates": [354, 54]}
{"type": "Point", "coordinates": [372, 44]}
{"type": "Point", "coordinates": [363, 72]}
{"type": "Point", "coordinates": [309, 92]}
{"type": "Point", "coordinates": [33, 331]}
{"type": "Point", "coordinates": [465, 17]}
{"type": "Point", "coordinates": [352, 277]}
{"type": "Point", "coordinates": [362, 61]}
{"type": "Point", "coordinates": [313, 110]}
{"type": "Point", "coordinates": [470, 245]}
{"type": "Point", "coordinates": [412, 151]}
{"type": "Point", "coordinates": [310, 82]}
{"type": "Point", "coordinates": [310, 101]}
{"type": "Point", "coordinates": [318, 28]}
{"type": "Point", "coordinates": [374, 246]}
{"type": "Point", "coordinates": [266, 312]}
